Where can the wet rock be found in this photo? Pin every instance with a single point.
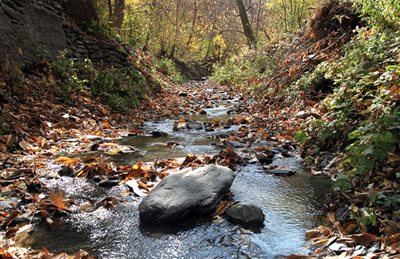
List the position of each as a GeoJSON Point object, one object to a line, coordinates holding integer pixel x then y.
{"type": "Point", "coordinates": [280, 172]}
{"type": "Point", "coordinates": [93, 138]}
{"type": "Point", "coordinates": [246, 215]}
{"type": "Point", "coordinates": [235, 144]}
{"type": "Point", "coordinates": [194, 125]}
{"type": "Point", "coordinates": [203, 112]}
{"type": "Point", "coordinates": [66, 171]}
{"type": "Point", "coordinates": [9, 202]}
{"type": "Point", "coordinates": [265, 157]}
{"type": "Point", "coordinates": [186, 193]}
{"type": "Point", "coordinates": [158, 134]}
{"type": "Point", "coordinates": [183, 94]}
{"type": "Point", "coordinates": [108, 183]}
{"type": "Point", "coordinates": [94, 147]}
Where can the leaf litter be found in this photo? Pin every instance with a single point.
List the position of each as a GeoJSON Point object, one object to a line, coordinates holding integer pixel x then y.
{"type": "Point", "coordinates": [44, 144]}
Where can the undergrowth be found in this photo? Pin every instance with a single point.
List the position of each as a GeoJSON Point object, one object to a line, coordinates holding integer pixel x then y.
{"type": "Point", "coordinates": [120, 88]}
{"type": "Point", "coordinates": [168, 67]}
{"type": "Point", "coordinates": [249, 70]}
{"type": "Point", "coordinates": [362, 115]}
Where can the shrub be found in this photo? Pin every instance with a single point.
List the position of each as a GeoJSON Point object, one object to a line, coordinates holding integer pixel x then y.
{"type": "Point", "coordinates": [168, 67]}
{"type": "Point", "coordinates": [121, 89]}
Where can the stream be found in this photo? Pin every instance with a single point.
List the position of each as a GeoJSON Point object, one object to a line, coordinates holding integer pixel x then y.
{"type": "Point", "coordinates": [291, 206]}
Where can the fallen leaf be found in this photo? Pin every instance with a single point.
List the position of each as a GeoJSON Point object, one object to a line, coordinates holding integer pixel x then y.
{"type": "Point", "coordinates": [68, 161]}
{"type": "Point", "coordinates": [320, 231]}
{"type": "Point", "coordinates": [24, 145]}
{"type": "Point", "coordinates": [364, 238]}
{"type": "Point", "coordinates": [57, 198]}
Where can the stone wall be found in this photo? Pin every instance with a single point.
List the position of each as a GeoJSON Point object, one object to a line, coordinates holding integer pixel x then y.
{"type": "Point", "coordinates": [30, 30]}
{"type": "Point", "coordinates": [97, 49]}
{"type": "Point", "coordinates": [33, 30]}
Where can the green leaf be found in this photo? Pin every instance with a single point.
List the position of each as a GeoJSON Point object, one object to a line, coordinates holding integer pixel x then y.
{"type": "Point", "coordinates": [368, 218]}
{"type": "Point", "coordinates": [355, 134]}
{"type": "Point", "coordinates": [300, 136]}
{"type": "Point", "coordinates": [342, 183]}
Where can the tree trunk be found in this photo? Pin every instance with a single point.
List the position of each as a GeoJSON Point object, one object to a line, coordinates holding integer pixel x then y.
{"type": "Point", "coordinates": [193, 24]}
{"type": "Point", "coordinates": [119, 13]}
{"type": "Point", "coordinates": [176, 33]}
{"type": "Point", "coordinates": [247, 29]}
{"type": "Point", "coordinates": [110, 11]}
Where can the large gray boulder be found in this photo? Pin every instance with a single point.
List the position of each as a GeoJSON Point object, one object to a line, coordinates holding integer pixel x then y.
{"type": "Point", "coordinates": [186, 193]}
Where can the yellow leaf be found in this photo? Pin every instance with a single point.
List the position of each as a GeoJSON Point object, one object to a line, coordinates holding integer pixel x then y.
{"type": "Point", "coordinates": [113, 152]}
{"type": "Point", "coordinates": [67, 161]}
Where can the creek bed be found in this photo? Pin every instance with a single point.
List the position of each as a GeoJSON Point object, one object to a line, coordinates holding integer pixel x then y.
{"type": "Point", "coordinates": [291, 205]}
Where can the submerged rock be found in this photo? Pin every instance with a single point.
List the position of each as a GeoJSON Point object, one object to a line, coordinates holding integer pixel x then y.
{"type": "Point", "coordinates": [158, 134]}
{"type": "Point", "coordinates": [195, 125]}
{"type": "Point", "coordinates": [280, 172]}
{"type": "Point", "coordinates": [246, 215]}
{"type": "Point", "coordinates": [66, 171]}
{"type": "Point", "coordinates": [265, 157]}
{"type": "Point", "coordinates": [186, 193]}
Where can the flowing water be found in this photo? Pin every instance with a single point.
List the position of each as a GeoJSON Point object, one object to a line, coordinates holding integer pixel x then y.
{"type": "Point", "coordinates": [291, 205]}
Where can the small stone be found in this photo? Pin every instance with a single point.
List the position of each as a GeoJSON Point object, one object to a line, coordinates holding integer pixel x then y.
{"type": "Point", "coordinates": [66, 171]}
{"type": "Point", "coordinates": [246, 215]}
{"type": "Point", "coordinates": [183, 94]}
{"type": "Point", "coordinates": [264, 158]}
{"type": "Point", "coordinates": [203, 112]}
{"type": "Point", "coordinates": [94, 147]}
{"type": "Point", "coordinates": [280, 172]}
{"type": "Point", "coordinates": [158, 134]}
{"type": "Point", "coordinates": [108, 183]}
{"type": "Point", "coordinates": [235, 144]}
{"type": "Point", "coordinates": [194, 125]}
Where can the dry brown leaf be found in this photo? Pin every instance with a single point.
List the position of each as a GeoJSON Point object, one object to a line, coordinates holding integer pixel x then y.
{"type": "Point", "coordinates": [364, 238]}
{"type": "Point", "coordinates": [143, 185]}
{"type": "Point", "coordinates": [103, 110]}
{"type": "Point", "coordinates": [106, 125]}
{"type": "Point", "coordinates": [320, 231]}
{"type": "Point", "coordinates": [57, 198]}
{"type": "Point", "coordinates": [24, 145]}
{"type": "Point", "coordinates": [222, 206]}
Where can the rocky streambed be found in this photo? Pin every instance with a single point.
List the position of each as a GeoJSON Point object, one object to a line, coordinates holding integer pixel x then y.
{"type": "Point", "coordinates": [118, 219]}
